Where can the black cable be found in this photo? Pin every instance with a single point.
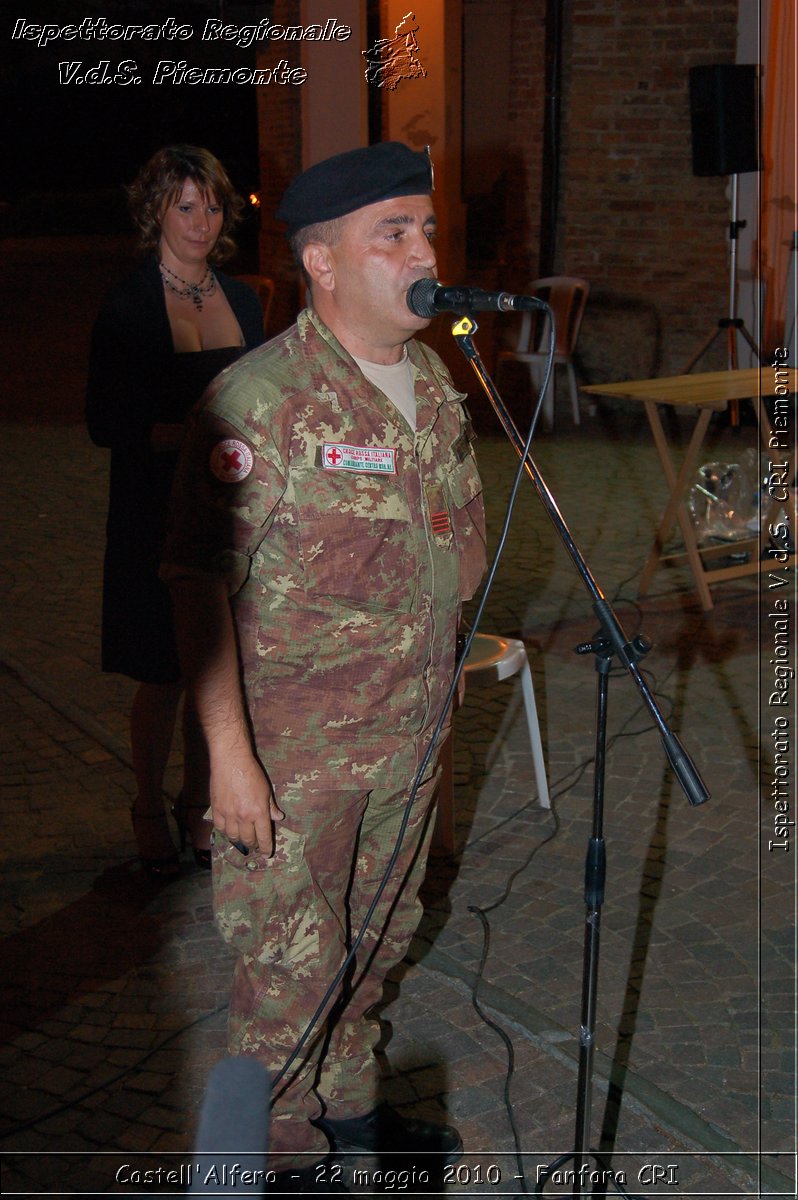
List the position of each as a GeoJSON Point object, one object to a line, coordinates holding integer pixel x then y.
{"type": "Point", "coordinates": [479, 912]}
{"type": "Point", "coordinates": [482, 914]}
{"type": "Point", "coordinates": [577, 770]}
{"type": "Point", "coordinates": [506, 1039]}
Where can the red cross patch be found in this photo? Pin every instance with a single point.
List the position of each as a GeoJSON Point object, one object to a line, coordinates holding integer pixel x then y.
{"type": "Point", "coordinates": [231, 460]}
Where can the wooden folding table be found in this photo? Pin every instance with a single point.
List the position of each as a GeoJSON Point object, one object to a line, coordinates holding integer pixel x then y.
{"type": "Point", "coordinates": [710, 392]}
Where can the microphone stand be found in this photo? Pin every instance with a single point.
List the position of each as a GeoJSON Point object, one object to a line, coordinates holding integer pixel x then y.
{"type": "Point", "coordinates": [610, 642]}
{"type": "Point", "coordinates": [732, 325]}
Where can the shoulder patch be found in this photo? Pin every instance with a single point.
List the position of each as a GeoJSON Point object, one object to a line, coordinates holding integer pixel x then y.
{"type": "Point", "coordinates": [231, 460]}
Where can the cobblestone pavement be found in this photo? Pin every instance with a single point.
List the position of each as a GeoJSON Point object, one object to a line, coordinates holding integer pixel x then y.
{"type": "Point", "coordinates": [115, 988]}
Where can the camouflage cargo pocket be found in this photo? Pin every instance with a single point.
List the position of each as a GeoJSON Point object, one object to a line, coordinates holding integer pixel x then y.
{"type": "Point", "coordinates": [265, 907]}
{"type": "Point", "coordinates": [356, 539]}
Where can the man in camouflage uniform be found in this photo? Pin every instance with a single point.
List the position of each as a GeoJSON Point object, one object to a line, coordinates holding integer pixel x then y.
{"type": "Point", "coordinates": [323, 539]}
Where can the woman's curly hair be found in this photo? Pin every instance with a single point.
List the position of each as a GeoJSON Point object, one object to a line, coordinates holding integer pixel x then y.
{"type": "Point", "coordinates": [160, 182]}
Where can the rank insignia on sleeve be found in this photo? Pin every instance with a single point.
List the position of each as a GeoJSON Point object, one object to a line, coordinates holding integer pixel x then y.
{"type": "Point", "coordinates": [439, 519]}
{"type": "Point", "coordinates": [231, 460]}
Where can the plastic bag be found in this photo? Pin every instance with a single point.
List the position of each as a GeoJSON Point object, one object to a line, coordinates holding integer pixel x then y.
{"type": "Point", "coordinates": [724, 499]}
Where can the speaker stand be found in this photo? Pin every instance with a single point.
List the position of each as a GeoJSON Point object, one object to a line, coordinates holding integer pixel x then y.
{"type": "Point", "coordinates": [732, 325]}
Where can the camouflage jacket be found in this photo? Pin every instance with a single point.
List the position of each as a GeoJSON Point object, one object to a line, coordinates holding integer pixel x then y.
{"type": "Point", "coordinates": [347, 543]}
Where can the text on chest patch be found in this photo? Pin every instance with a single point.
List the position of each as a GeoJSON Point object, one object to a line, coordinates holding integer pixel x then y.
{"type": "Point", "coordinates": [377, 460]}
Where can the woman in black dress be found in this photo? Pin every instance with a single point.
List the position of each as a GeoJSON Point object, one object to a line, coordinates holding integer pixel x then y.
{"type": "Point", "coordinates": [160, 338]}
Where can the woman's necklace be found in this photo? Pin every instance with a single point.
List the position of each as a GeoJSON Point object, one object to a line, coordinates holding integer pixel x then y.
{"type": "Point", "coordinates": [190, 291]}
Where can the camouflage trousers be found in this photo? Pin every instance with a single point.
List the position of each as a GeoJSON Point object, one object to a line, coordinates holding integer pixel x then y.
{"type": "Point", "coordinates": [291, 918]}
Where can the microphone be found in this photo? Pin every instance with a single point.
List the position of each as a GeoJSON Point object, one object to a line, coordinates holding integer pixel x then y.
{"type": "Point", "coordinates": [426, 298]}
{"type": "Point", "coordinates": [233, 1129]}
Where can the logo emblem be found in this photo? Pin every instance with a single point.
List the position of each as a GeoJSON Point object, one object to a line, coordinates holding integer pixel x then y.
{"type": "Point", "coordinates": [390, 60]}
{"type": "Point", "coordinates": [231, 460]}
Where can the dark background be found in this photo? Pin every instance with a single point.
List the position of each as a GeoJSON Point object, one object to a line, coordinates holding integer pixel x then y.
{"type": "Point", "coordinates": [68, 153]}
{"type": "Point", "coordinates": [70, 149]}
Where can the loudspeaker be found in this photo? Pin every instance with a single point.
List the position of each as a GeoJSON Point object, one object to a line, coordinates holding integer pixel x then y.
{"type": "Point", "coordinates": [724, 107]}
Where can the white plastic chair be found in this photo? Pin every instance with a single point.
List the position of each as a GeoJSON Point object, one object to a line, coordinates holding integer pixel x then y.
{"type": "Point", "coordinates": [492, 659]}
{"type": "Point", "coordinates": [567, 296]}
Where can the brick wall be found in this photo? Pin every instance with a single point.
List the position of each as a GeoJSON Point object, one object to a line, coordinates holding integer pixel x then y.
{"type": "Point", "coordinates": [525, 146]}
{"type": "Point", "coordinates": [649, 236]}
{"type": "Point", "coordinates": [280, 125]}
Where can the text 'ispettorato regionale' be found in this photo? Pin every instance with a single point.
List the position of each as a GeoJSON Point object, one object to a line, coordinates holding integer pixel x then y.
{"type": "Point", "coordinates": [99, 29]}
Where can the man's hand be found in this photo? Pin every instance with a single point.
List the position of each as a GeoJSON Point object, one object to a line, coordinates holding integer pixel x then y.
{"type": "Point", "coordinates": [243, 803]}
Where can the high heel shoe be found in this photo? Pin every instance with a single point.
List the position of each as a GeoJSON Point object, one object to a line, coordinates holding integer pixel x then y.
{"type": "Point", "coordinates": [202, 857]}
{"type": "Point", "coordinates": [162, 866]}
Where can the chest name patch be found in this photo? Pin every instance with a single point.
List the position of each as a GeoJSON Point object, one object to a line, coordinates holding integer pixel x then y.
{"type": "Point", "coordinates": [231, 460]}
{"type": "Point", "coordinates": [375, 460]}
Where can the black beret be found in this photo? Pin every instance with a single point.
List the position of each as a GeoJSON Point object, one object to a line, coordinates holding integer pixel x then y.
{"type": "Point", "coordinates": [349, 181]}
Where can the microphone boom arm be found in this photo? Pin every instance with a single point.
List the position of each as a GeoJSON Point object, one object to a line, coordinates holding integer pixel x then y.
{"type": "Point", "coordinates": [629, 652]}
